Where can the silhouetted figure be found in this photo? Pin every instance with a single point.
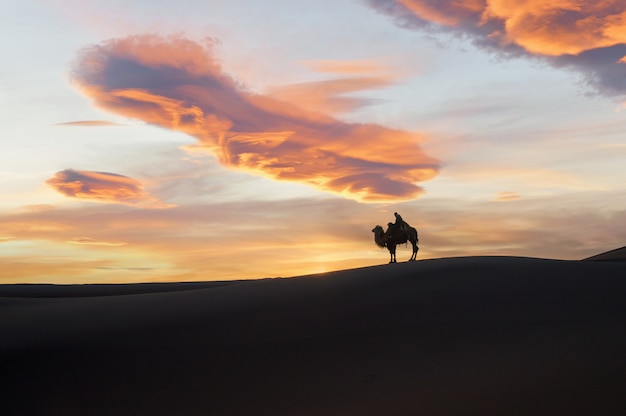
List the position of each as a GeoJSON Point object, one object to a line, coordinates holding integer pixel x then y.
{"type": "Point", "coordinates": [397, 233]}
{"type": "Point", "coordinates": [400, 224]}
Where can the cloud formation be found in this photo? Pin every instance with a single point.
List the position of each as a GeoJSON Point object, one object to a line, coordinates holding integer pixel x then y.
{"type": "Point", "coordinates": [103, 187]}
{"type": "Point", "coordinates": [507, 196]}
{"type": "Point", "coordinates": [91, 242]}
{"type": "Point", "coordinates": [330, 96]}
{"type": "Point", "coordinates": [178, 84]}
{"type": "Point", "coordinates": [88, 123]}
{"type": "Point", "coordinates": [584, 35]}
{"type": "Point", "coordinates": [190, 242]}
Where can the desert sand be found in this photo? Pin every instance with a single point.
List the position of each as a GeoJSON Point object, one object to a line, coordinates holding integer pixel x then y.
{"type": "Point", "coordinates": [454, 336]}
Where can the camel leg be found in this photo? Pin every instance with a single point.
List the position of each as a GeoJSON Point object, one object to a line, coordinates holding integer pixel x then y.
{"type": "Point", "coordinates": [392, 254]}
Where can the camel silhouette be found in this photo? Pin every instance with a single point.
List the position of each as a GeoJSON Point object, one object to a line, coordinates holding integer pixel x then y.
{"type": "Point", "coordinates": [394, 236]}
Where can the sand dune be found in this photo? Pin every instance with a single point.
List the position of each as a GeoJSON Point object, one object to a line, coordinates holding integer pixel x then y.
{"type": "Point", "coordinates": [619, 254]}
{"type": "Point", "coordinates": [86, 290]}
{"type": "Point", "coordinates": [458, 336]}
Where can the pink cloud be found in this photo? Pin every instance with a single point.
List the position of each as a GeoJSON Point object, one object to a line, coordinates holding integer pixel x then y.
{"type": "Point", "coordinates": [103, 187]}
{"type": "Point", "coordinates": [178, 84]}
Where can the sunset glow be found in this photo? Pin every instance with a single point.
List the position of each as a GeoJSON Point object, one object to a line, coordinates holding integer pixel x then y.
{"type": "Point", "coordinates": [234, 140]}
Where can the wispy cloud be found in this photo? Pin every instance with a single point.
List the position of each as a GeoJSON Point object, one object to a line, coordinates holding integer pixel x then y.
{"type": "Point", "coordinates": [142, 269]}
{"type": "Point", "coordinates": [351, 67]}
{"type": "Point", "coordinates": [209, 241]}
{"type": "Point", "coordinates": [92, 242]}
{"type": "Point", "coordinates": [88, 123]}
{"type": "Point", "coordinates": [329, 96]}
{"type": "Point", "coordinates": [41, 269]}
{"type": "Point", "coordinates": [194, 242]}
{"type": "Point", "coordinates": [506, 196]}
{"type": "Point", "coordinates": [103, 187]}
{"type": "Point", "coordinates": [587, 36]}
{"type": "Point", "coordinates": [178, 84]}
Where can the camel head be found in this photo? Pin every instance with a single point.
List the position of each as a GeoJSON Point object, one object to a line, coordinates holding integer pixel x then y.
{"type": "Point", "coordinates": [379, 236]}
{"type": "Point", "coordinates": [378, 229]}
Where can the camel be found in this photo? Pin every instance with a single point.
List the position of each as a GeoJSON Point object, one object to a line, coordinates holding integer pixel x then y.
{"type": "Point", "coordinates": [394, 236]}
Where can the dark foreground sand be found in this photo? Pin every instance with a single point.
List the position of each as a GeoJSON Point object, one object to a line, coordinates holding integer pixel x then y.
{"type": "Point", "coordinates": [461, 336]}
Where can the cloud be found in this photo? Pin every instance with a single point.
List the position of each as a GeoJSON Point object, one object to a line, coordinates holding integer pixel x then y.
{"type": "Point", "coordinates": [178, 84]}
{"type": "Point", "coordinates": [328, 96]}
{"type": "Point", "coordinates": [126, 268]}
{"type": "Point", "coordinates": [352, 66]}
{"type": "Point", "coordinates": [92, 242]}
{"type": "Point", "coordinates": [209, 241]}
{"type": "Point", "coordinates": [586, 36]}
{"type": "Point", "coordinates": [196, 242]}
{"type": "Point", "coordinates": [103, 187]}
{"type": "Point", "coordinates": [34, 269]}
{"type": "Point", "coordinates": [506, 196]}
{"type": "Point", "coordinates": [88, 123]}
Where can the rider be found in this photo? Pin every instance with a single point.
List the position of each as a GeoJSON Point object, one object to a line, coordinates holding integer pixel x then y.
{"type": "Point", "coordinates": [400, 224]}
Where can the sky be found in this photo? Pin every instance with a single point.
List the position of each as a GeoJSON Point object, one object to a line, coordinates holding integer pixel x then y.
{"type": "Point", "coordinates": [147, 141]}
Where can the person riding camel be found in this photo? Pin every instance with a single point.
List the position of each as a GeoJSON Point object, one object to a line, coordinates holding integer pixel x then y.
{"type": "Point", "coordinates": [400, 223]}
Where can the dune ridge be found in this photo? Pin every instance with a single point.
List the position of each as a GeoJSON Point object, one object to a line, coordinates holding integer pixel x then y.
{"type": "Point", "coordinates": [619, 254]}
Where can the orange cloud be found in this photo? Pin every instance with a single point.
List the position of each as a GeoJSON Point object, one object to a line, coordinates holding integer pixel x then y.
{"type": "Point", "coordinates": [177, 84]}
{"type": "Point", "coordinates": [92, 242]}
{"type": "Point", "coordinates": [209, 241]}
{"type": "Point", "coordinates": [540, 27]}
{"type": "Point", "coordinates": [585, 35]}
{"type": "Point", "coordinates": [44, 270]}
{"type": "Point", "coordinates": [190, 242]}
{"type": "Point", "coordinates": [451, 15]}
{"type": "Point", "coordinates": [561, 27]}
{"type": "Point", "coordinates": [327, 96]}
{"type": "Point", "coordinates": [103, 187]}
